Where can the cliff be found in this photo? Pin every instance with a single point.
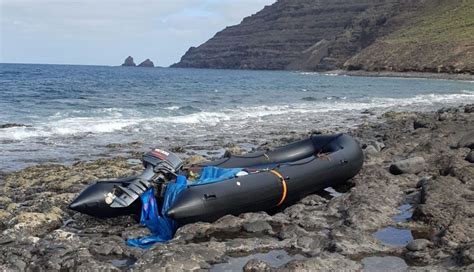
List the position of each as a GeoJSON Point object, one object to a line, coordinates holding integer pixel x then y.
{"type": "Point", "coordinates": [352, 34]}
{"type": "Point", "coordinates": [439, 39]}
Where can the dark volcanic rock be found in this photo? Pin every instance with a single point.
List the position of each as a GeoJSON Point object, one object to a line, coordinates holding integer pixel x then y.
{"type": "Point", "coordinates": [146, 63]}
{"type": "Point", "coordinates": [467, 140]}
{"type": "Point", "coordinates": [470, 157]}
{"type": "Point", "coordinates": [12, 125]}
{"type": "Point", "coordinates": [129, 62]}
{"type": "Point", "coordinates": [412, 166]}
{"type": "Point", "coordinates": [39, 233]}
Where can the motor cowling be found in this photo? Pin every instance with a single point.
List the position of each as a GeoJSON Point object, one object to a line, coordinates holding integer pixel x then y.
{"type": "Point", "coordinates": [162, 161]}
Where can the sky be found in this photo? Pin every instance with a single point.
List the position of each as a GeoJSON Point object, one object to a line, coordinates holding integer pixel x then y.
{"type": "Point", "coordinates": [105, 32]}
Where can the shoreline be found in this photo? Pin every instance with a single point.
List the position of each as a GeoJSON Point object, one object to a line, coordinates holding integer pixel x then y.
{"type": "Point", "coordinates": [415, 75]}
{"type": "Point", "coordinates": [363, 73]}
{"type": "Point", "coordinates": [345, 230]}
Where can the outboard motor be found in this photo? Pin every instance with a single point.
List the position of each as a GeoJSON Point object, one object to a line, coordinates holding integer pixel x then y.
{"type": "Point", "coordinates": [118, 197]}
{"type": "Point", "coordinates": [160, 168]}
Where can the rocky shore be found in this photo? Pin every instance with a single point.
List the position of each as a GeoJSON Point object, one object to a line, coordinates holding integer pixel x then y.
{"type": "Point", "coordinates": [410, 208]}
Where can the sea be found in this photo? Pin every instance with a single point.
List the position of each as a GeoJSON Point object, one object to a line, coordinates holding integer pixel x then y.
{"type": "Point", "coordinates": [82, 113]}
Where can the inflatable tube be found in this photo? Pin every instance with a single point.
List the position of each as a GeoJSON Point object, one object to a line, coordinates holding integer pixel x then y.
{"type": "Point", "coordinates": [91, 201]}
{"type": "Point", "coordinates": [279, 176]}
{"type": "Point", "coordinates": [283, 175]}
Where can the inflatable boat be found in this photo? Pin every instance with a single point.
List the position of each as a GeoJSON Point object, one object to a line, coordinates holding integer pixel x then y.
{"type": "Point", "coordinates": [262, 181]}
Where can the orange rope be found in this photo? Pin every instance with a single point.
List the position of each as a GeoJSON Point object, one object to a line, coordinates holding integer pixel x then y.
{"type": "Point", "coordinates": [283, 183]}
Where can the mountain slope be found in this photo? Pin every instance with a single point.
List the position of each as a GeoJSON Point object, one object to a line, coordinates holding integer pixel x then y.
{"type": "Point", "coordinates": [440, 39]}
{"type": "Point", "coordinates": [354, 34]}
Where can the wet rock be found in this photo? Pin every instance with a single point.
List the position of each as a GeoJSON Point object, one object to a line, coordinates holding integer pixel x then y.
{"type": "Point", "coordinates": [12, 125]}
{"type": "Point", "coordinates": [325, 262]}
{"type": "Point", "coordinates": [256, 265]}
{"type": "Point", "coordinates": [447, 206]}
{"type": "Point", "coordinates": [418, 244]}
{"type": "Point", "coordinates": [470, 157]}
{"type": "Point", "coordinates": [330, 231]}
{"type": "Point", "coordinates": [469, 108]}
{"type": "Point", "coordinates": [467, 140]}
{"type": "Point", "coordinates": [413, 165]}
{"type": "Point", "coordinates": [387, 263]}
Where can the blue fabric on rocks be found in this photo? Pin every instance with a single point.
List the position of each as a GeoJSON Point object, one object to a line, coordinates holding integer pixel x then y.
{"type": "Point", "coordinates": [212, 174]}
{"type": "Point", "coordinates": [161, 227]}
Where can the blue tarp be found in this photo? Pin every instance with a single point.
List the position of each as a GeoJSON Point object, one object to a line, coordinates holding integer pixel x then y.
{"type": "Point", "coordinates": [162, 228]}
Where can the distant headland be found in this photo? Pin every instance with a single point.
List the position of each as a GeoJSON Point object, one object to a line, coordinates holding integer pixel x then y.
{"type": "Point", "coordinates": [395, 36]}
{"type": "Point", "coordinates": [131, 63]}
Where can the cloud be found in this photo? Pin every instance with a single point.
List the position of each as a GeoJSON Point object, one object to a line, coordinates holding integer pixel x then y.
{"type": "Point", "coordinates": [106, 31]}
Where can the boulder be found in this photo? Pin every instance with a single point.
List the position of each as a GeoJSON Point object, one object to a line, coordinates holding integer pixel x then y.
{"type": "Point", "coordinates": [147, 63]}
{"type": "Point", "coordinates": [418, 244]}
{"type": "Point", "coordinates": [129, 62]}
{"type": "Point", "coordinates": [467, 140]}
{"type": "Point", "coordinates": [470, 156]}
{"type": "Point", "coordinates": [469, 108]}
{"type": "Point", "coordinates": [413, 165]}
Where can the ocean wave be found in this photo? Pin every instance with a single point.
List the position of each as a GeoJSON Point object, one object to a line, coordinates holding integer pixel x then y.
{"type": "Point", "coordinates": [109, 120]}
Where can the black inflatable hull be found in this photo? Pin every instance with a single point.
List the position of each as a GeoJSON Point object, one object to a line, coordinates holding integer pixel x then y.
{"type": "Point", "coordinates": [283, 175]}
{"type": "Point", "coordinates": [91, 201]}
{"type": "Point", "coordinates": [299, 171]}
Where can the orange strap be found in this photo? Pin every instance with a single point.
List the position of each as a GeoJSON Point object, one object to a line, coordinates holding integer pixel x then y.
{"type": "Point", "coordinates": [283, 183]}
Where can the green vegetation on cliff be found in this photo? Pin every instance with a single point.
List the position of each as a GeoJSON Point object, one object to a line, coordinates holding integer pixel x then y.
{"type": "Point", "coordinates": [440, 38]}
{"type": "Point", "coordinates": [449, 21]}
{"type": "Point", "coordinates": [372, 35]}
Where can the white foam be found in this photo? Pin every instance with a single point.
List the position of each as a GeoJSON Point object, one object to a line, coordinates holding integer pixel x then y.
{"type": "Point", "coordinates": [112, 120]}
{"type": "Point", "coordinates": [173, 108]}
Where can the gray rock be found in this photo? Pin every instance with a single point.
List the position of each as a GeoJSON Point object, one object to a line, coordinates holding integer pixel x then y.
{"type": "Point", "coordinates": [421, 123]}
{"type": "Point", "coordinates": [378, 145]}
{"type": "Point", "coordinates": [467, 140]}
{"type": "Point", "coordinates": [418, 244]}
{"type": "Point", "coordinates": [387, 263]}
{"type": "Point", "coordinates": [413, 165]}
{"type": "Point", "coordinates": [370, 151]}
{"type": "Point", "coordinates": [470, 157]}
{"type": "Point", "coordinates": [257, 226]}
{"type": "Point", "coordinates": [256, 265]}
{"type": "Point", "coordinates": [469, 108]}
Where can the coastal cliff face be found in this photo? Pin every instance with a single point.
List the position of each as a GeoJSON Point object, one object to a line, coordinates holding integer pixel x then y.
{"type": "Point", "coordinates": [334, 34]}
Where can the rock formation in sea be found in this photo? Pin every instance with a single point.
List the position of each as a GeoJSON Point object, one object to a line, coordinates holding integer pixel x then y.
{"type": "Point", "coordinates": [146, 63]}
{"type": "Point", "coordinates": [374, 35]}
{"type": "Point", "coordinates": [129, 62]}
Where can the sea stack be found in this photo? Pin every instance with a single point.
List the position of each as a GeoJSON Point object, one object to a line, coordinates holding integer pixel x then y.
{"type": "Point", "coordinates": [146, 63]}
{"type": "Point", "coordinates": [129, 62]}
